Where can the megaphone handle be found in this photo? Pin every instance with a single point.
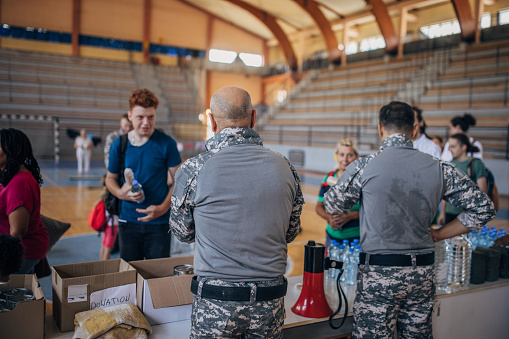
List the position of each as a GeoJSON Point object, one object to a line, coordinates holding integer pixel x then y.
{"type": "Point", "coordinates": [331, 263]}
{"type": "Point", "coordinates": [341, 296]}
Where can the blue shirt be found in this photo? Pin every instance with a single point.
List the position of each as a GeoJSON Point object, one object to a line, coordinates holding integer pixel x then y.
{"type": "Point", "coordinates": [150, 163]}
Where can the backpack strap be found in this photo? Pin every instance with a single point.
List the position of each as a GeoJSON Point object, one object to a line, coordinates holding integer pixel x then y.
{"type": "Point", "coordinates": [123, 150]}
{"type": "Point", "coordinates": [471, 173]}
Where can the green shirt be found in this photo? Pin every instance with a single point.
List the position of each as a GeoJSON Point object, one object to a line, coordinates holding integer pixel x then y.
{"type": "Point", "coordinates": [479, 172]}
{"type": "Point", "coordinates": [350, 229]}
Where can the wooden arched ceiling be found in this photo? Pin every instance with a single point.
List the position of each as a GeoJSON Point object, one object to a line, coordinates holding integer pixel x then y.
{"type": "Point", "coordinates": [323, 24]}
{"type": "Point", "coordinates": [386, 27]}
{"type": "Point", "coordinates": [271, 23]}
{"type": "Point", "coordinates": [466, 19]}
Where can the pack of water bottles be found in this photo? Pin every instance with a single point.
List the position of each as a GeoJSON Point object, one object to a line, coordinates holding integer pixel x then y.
{"type": "Point", "coordinates": [486, 236]}
{"type": "Point", "coordinates": [348, 253]}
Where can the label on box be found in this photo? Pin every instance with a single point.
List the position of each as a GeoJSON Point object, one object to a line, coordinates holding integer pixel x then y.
{"type": "Point", "coordinates": [125, 294]}
{"type": "Point", "coordinates": [76, 293]}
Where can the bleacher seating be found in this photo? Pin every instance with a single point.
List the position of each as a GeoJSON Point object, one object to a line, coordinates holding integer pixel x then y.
{"type": "Point", "coordinates": [475, 81]}
{"type": "Point", "coordinates": [345, 101]}
{"type": "Point", "coordinates": [83, 93]}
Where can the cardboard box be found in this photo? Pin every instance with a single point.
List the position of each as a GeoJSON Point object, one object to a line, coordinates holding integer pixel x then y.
{"type": "Point", "coordinates": [161, 296]}
{"type": "Point", "coordinates": [27, 320]}
{"type": "Point", "coordinates": [92, 276]}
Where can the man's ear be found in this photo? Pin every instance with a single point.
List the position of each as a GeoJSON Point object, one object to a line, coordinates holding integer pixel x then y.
{"type": "Point", "coordinates": [414, 131]}
{"type": "Point", "coordinates": [213, 123]}
{"type": "Point", "coordinates": [129, 116]}
{"type": "Point", "coordinates": [253, 119]}
{"type": "Point", "coordinates": [380, 131]}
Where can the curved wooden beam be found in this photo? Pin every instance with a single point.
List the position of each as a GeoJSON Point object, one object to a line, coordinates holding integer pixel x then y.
{"type": "Point", "coordinates": [323, 24]}
{"type": "Point", "coordinates": [386, 27]}
{"type": "Point", "coordinates": [271, 23]}
{"type": "Point", "coordinates": [466, 19]}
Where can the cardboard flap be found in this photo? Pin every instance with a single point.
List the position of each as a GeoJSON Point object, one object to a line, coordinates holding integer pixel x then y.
{"type": "Point", "coordinates": [166, 292]}
{"type": "Point", "coordinates": [158, 268]}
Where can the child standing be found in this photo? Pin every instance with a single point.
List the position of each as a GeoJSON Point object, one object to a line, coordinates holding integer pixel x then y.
{"type": "Point", "coordinates": [111, 231]}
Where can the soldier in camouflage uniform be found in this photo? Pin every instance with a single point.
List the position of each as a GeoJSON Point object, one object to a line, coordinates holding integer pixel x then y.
{"type": "Point", "coordinates": [399, 189]}
{"type": "Point", "coordinates": [241, 203]}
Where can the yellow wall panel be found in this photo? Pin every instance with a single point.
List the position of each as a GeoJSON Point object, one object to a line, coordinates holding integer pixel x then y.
{"type": "Point", "coordinates": [230, 38]}
{"type": "Point", "coordinates": [35, 46]}
{"type": "Point", "coordinates": [176, 24]}
{"type": "Point", "coordinates": [53, 15]}
{"type": "Point", "coordinates": [119, 19]}
{"type": "Point", "coordinates": [110, 54]}
{"type": "Point", "coordinates": [251, 83]}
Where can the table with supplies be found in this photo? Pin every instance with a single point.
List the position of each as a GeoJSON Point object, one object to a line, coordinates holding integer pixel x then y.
{"type": "Point", "coordinates": [480, 311]}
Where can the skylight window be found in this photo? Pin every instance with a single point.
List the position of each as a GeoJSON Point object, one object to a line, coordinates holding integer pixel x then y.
{"type": "Point", "coordinates": [253, 60]}
{"type": "Point", "coordinates": [372, 43]}
{"type": "Point", "coordinates": [442, 29]}
{"type": "Point", "coordinates": [503, 17]}
{"type": "Point", "coordinates": [351, 48]}
{"type": "Point", "coordinates": [225, 57]}
{"type": "Point", "coordinates": [486, 20]}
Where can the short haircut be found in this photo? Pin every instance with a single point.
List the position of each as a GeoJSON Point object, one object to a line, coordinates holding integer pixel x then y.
{"type": "Point", "coordinates": [144, 98]}
{"type": "Point", "coordinates": [125, 116]}
{"type": "Point", "coordinates": [397, 117]}
{"type": "Point", "coordinates": [11, 255]}
{"type": "Point", "coordinates": [224, 108]}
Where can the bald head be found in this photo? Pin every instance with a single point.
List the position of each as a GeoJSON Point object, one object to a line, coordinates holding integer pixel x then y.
{"type": "Point", "coordinates": [231, 105]}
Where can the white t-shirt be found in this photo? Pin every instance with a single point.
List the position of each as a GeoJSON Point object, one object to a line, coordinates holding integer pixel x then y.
{"type": "Point", "coordinates": [83, 143]}
{"type": "Point", "coordinates": [447, 155]}
{"type": "Point", "coordinates": [427, 146]}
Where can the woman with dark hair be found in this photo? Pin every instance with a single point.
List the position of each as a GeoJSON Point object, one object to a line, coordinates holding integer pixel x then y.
{"type": "Point", "coordinates": [20, 197]}
{"type": "Point", "coordinates": [461, 125]}
{"type": "Point", "coordinates": [460, 147]}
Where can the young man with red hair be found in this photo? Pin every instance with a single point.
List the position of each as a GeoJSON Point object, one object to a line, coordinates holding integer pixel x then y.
{"type": "Point", "coordinates": [153, 158]}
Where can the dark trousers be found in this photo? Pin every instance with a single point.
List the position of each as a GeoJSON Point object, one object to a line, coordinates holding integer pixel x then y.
{"type": "Point", "coordinates": [143, 241]}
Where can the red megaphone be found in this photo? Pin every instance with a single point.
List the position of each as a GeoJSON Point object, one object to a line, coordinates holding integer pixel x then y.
{"type": "Point", "coordinates": [312, 302]}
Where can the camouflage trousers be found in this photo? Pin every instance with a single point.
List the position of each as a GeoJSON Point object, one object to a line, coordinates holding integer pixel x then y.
{"type": "Point", "coordinates": [212, 318]}
{"type": "Point", "coordinates": [391, 298]}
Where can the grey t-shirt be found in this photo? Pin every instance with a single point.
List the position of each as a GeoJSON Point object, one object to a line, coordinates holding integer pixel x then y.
{"type": "Point", "coordinates": [399, 190]}
{"type": "Point", "coordinates": [241, 203]}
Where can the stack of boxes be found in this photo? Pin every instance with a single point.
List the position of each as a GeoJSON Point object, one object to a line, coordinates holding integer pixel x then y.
{"type": "Point", "coordinates": [161, 296]}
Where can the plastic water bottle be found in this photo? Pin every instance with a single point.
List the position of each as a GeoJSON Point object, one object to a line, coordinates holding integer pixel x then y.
{"type": "Point", "coordinates": [333, 251]}
{"type": "Point", "coordinates": [473, 237]}
{"type": "Point", "coordinates": [501, 232]}
{"type": "Point", "coordinates": [453, 259]}
{"type": "Point", "coordinates": [137, 188]}
{"type": "Point", "coordinates": [492, 236]}
{"type": "Point", "coordinates": [351, 268]}
{"type": "Point", "coordinates": [357, 251]}
{"type": "Point", "coordinates": [483, 238]}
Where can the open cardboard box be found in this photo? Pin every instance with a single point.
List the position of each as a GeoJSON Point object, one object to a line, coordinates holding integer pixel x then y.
{"type": "Point", "coordinates": [94, 276]}
{"type": "Point", "coordinates": [161, 296]}
{"type": "Point", "coordinates": [26, 320]}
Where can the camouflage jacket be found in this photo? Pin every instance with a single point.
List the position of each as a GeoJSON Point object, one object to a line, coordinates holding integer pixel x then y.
{"type": "Point", "coordinates": [182, 201]}
{"type": "Point", "coordinates": [399, 189]}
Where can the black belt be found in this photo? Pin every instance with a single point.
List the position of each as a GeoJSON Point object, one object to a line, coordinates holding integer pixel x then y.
{"type": "Point", "coordinates": [227, 293]}
{"type": "Point", "coordinates": [398, 259]}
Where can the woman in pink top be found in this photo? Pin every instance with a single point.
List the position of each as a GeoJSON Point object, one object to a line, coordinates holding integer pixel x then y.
{"type": "Point", "coordinates": [20, 197]}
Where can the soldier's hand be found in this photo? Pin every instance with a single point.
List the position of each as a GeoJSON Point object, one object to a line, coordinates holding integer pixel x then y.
{"type": "Point", "coordinates": [152, 212]}
{"type": "Point", "coordinates": [434, 234]}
